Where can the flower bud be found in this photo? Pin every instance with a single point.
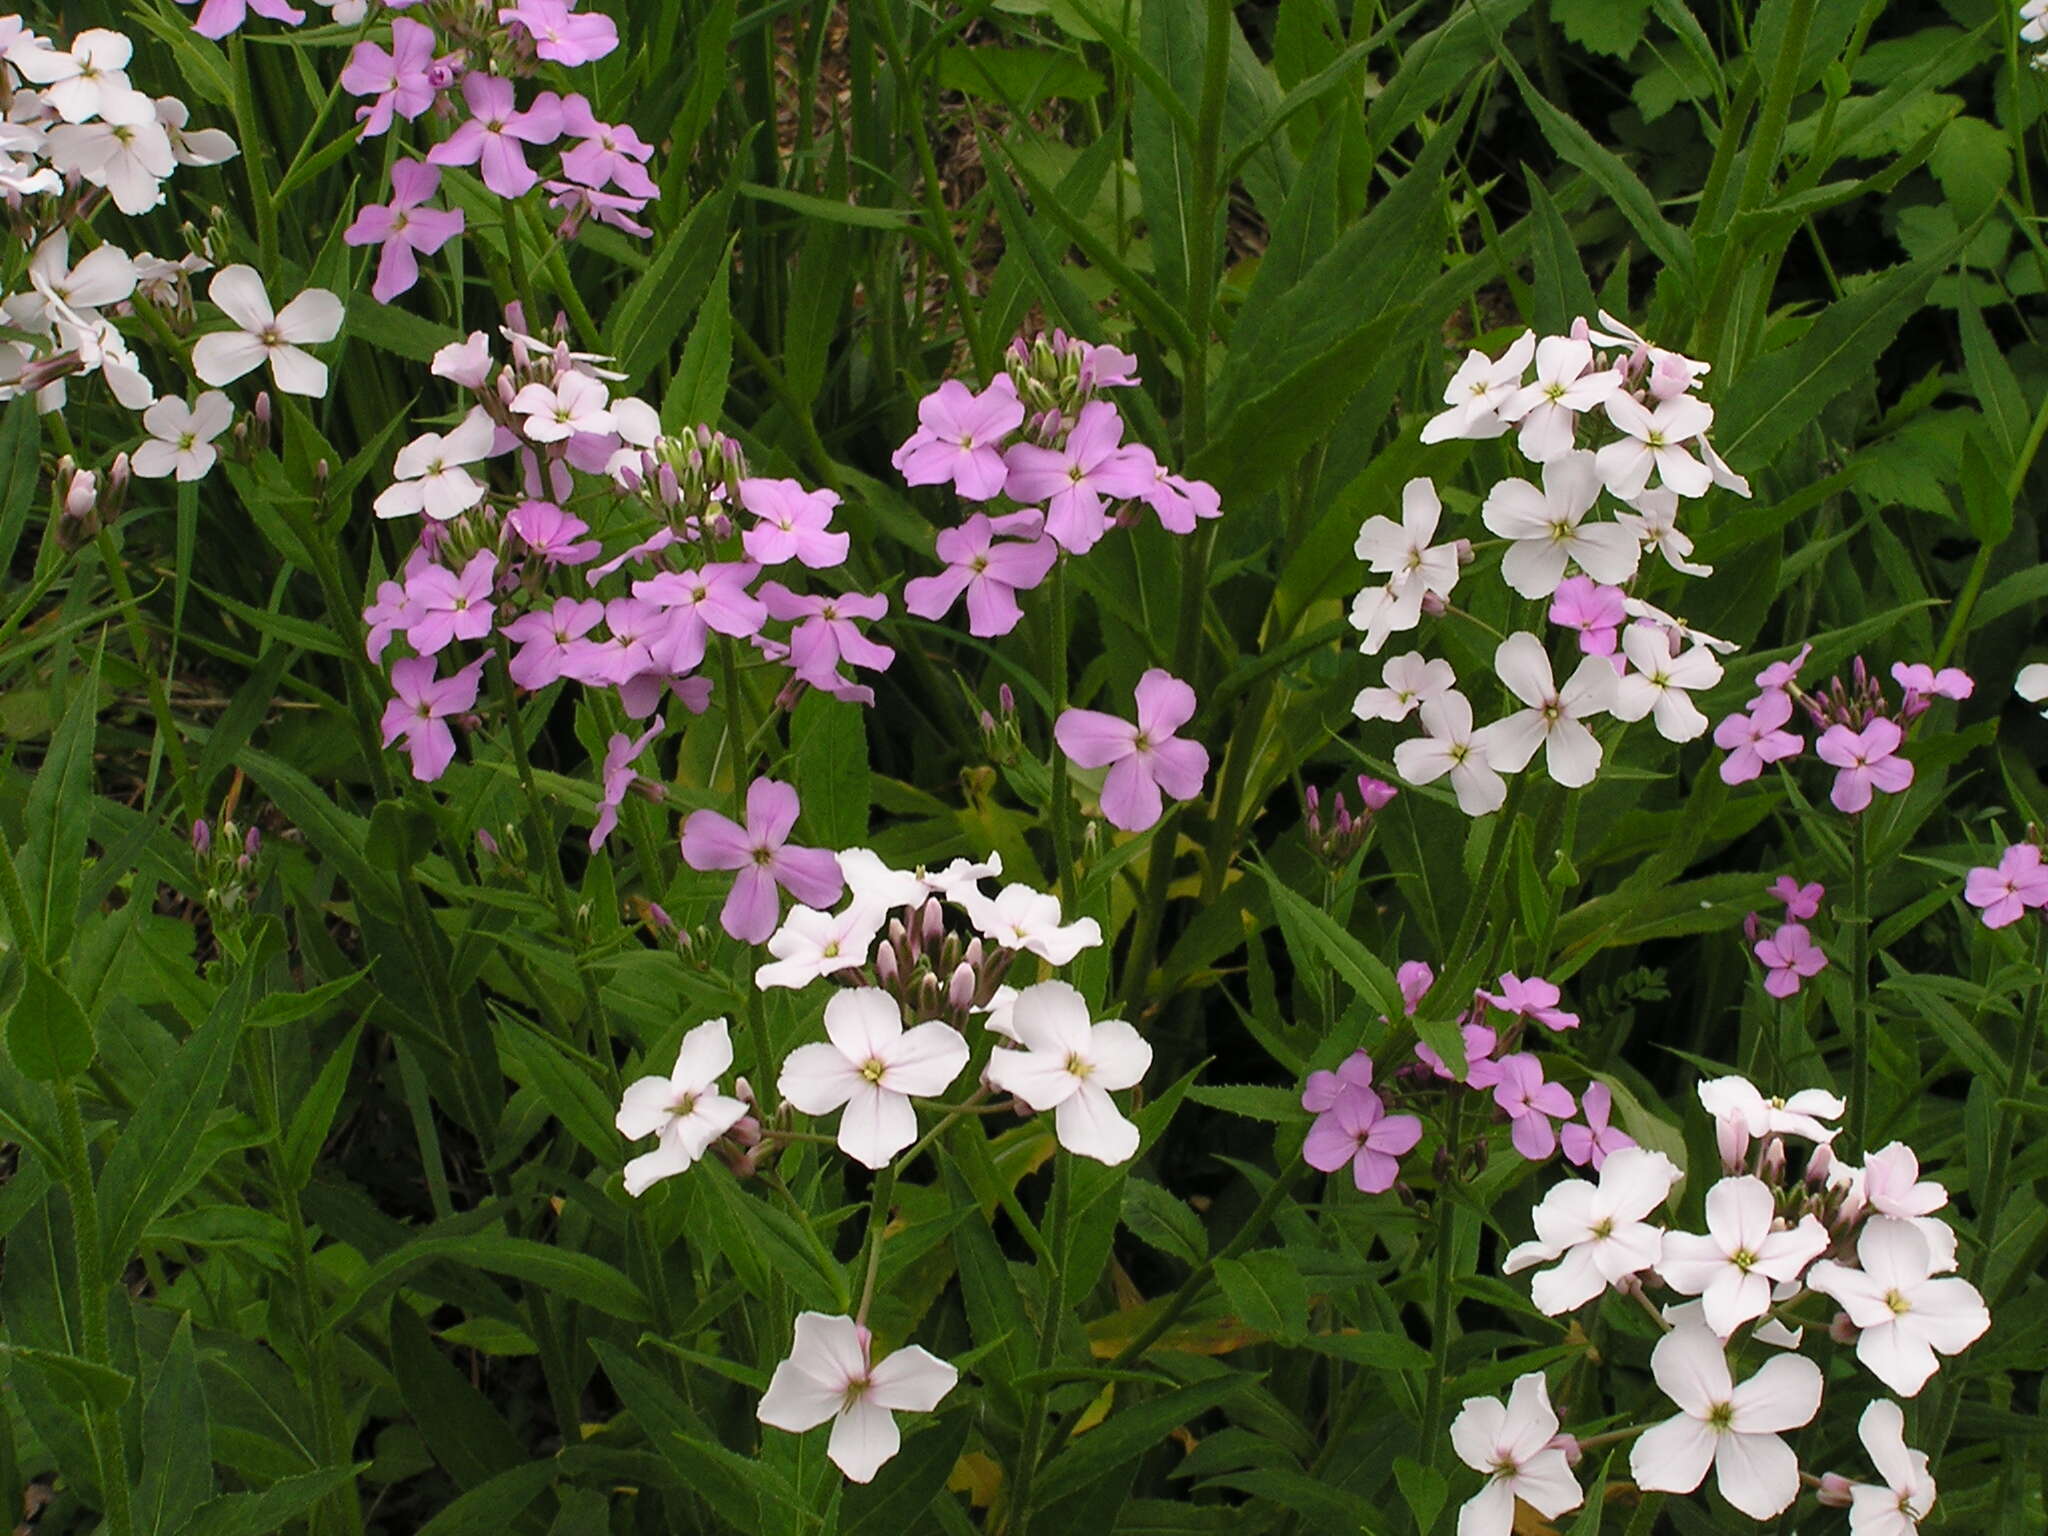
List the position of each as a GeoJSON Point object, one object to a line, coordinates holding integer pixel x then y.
{"type": "Point", "coordinates": [960, 992]}
{"type": "Point", "coordinates": [1771, 1166]}
{"type": "Point", "coordinates": [886, 970]}
{"type": "Point", "coordinates": [1732, 1137]}
{"type": "Point", "coordinates": [1569, 1444]}
{"type": "Point", "coordinates": [1841, 1330]}
{"type": "Point", "coordinates": [1819, 1164]}
{"type": "Point", "coordinates": [202, 838]}
{"type": "Point", "coordinates": [1834, 1491]}
{"type": "Point", "coordinates": [934, 917]}
{"type": "Point", "coordinates": [81, 491]}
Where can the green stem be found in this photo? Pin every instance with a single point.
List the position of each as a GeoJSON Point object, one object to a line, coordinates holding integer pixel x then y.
{"type": "Point", "coordinates": [876, 1235]}
{"type": "Point", "coordinates": [1062, 794]}
{"type": "Point", "coordinates": [1482, 893]}
{"type": "Point", "coordinates": [1770, 128]}
{"type": "Point", "coordinates": [1858, 919]}
{"type": "Point", "coordinates": [1052, 1309]}
{"type": "Point", "coordinates": [152, 682]}
{"type": "Point", "coordinates": [1980, 567]}
{"type": "Point", "coordinates": [1440, 1307]}
{"type": "Point", "coordinates": [108, 1447]}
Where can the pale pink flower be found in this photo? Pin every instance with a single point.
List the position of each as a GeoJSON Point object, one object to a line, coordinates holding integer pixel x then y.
{"type": "Point", "coordinates": [495, 137]}
{"type": "Point", "coordinates": [1481, 1070]}
{"type": "Point", "coordinates": [545, 638]}
{"type": "Point", "coordinates": [1744, 1253]}
{"type": "Point", "coordinates": [563, 36]}
{"type": "Point", "coordinates": [1406, 682]}
{"type": "Point", "coordinates": [1907, 1497]}
{"type": "Point", "coordinates": [1757, 737]}
{"type": "Point", "coordinates": [2004, 892]}
{"type": "Point", "coordinates": [1948, 683]}
{"type": "Point", "coordinates": [1515, 1448]}
{"type": "Point", "coordinates": [1801, 901]}
{"type": "Point", "coordinates": [959, 438]}
{"type": "Point", "coordinates": [403, 228]}
{"type": "Point", "coordinates": [1593, 610]}
{"type": "Point", "coordinates": [1532, 1105]}
{"type": "Point", "coordinates": [1323, 1089]}
{"type": "Point", "coordinates": [871, 1067]}
{"type": "Point", "coordinates": [1905, 1314]}
{"type": "Point", "coordinates": [1144, 759]}
{"type": "Point", "coordinates": [1357, 1129]}
{"type": "Point", "coordinates": [764, 857]}
{"type": "Point", "coordinates": [266, 335]}
{"type": "Point", "coordinates": [795, 524]}
{"type": "Point", "coordinates": [990, 571]}
{"type": "Point", "coordinates": [418, 716]}
{"type": "Point", "coordinates": [1180, 503]}
{"type": "Point", "coordinates": [1074, 481]}
{"type": "Point", "coordinates": [1867, 760]}
{"type": "Point", "coordinates": [1478, 391]}
{"type": "Point", "coordinates": [1070, 1065]}
{"type": "Point", "coordinates": [1535, 999]}
{"type": "Point", "coordinates": [617, 777]}
{"type": "Point", "coordinates": [1736, 1430]}
{"type": "Point", "coordinates": [452, 605]}
{"type": "Point", "coordinates": [1789, 957]}
{"type": "Point", "coordinates": [829, 1375]}
{"type": "Point", "coordinates": [1596, 1140]}
{"type": "Point", "coordinates": [400, 77]}
{"type": "Point", "coordinates": [1548, 531]}
{"type": "Point", "coordinates": [711, 598]}
{"type": "Point", "coordinates": [1653, 442]}
{"type": "Point", "coordinates": [1595, 1234]}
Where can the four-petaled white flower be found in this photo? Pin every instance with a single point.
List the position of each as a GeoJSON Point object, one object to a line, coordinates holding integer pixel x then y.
{"type": "Point", "coordinates": [829, 1375]}
{"type": "Point", "coordinates": [1549, 533]}
{"type": "Point", "coordinates": [1478, 390]}
{"type": "Point", "coordinates": [1596, 1232]}
{"type": "Point", "coordinates": [1414, 568]}
{"type": "Point", "coordinates": [1555, 717]}
{"type": "Point", "coordinates": [429, 473]}
{"type": "Point", "coordinates": [1739, 1101]}
{"type": "Point", "coordinates": [1897, 1508]}
{"type": "Point", "coordinates": [1904, 1313]}
{"type": "Point", "coordinates": [872, 1067]}
{"type": "Point", "coordinates": [1653, 519]}
{"type": "Point", "coordinates": [1450, 744]}
{"type": "Point", "coordinates": [576, 403]}
{"type": "Point", "coordinates": [684, 1109]}
{"type": "Point", "coordinates": [1566, 384]}
{"type": "Point", "coordinates": [1070, 1065]}
{"type": "Point", "coordinates": [811, 944]}
{"type": "Point", "coordinates": [266, 335]}
{"type": "Point", "coordinates": [1733, 1267]}
{"type": "Point", "coordinates": [1021, 918]}
{"type": "Point", "coordinates": [181, 437]}
{"type": "Point", "coordinates": [1653, 442]}
{"type": "Point", "coordinates": [878, 885]}
{"type": "Point", "coordinates": [1735, 1430]}
{"type": "Point", "coordinates": [1512, 1446]}
{"type": "Point", "coordinates": [1405, 682]}
{"type": "Point", "coordinates": [1663, 682]}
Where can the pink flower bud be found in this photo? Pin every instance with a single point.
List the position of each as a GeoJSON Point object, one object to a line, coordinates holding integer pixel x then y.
{"type": "Point", "coordinates": [1732, 1137]}
{"type": "Point", "coordinates": [960, 994]}
{"type": "Point", "coordinates": [1841, 1330]}
{"type": "Point", "coordinates": [1569, 1444]}
{"type": "Point", "coordinates": [1771, 1168]}
{"type": "Point", "coordinates": [202, 838]}
{"type": "Point", "coordinates": [82, 494]}
{"type": "Point", "coordinates": [886, 971]}
{"type": "Point", "coordinates": [1820, 1164]}
{"type": "Point", "coordinates": [1834, 1491]}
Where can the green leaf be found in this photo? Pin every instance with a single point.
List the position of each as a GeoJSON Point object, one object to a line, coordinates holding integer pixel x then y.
{"type": "Point", "coordinates": [340, 836]}
{"type": "Point", "coordinates": [580, 1277]}
{"type": "Point", "coordinates": [271, 1510]}
{"type": "Point", "coordinates": [696, 395]}
{"type": "Point", "coordinates": [48, 1034]}
{"type": "Point", "coordinates": [1612, 27]}
{"type": "Point", "coordinates": [58, 822]}
{"type": "Point", "coordinates": [1995, 385]}
{"type": "Point", "coordinates": [1129, 1433]}
{"type": "Point", "coordinates": [1170, 39]}
{"type": "Point", "coordinates": [832, 769]}
{"type": "Point", "coordinates": [833, 209]}
{"type": "Point", "coordinates": [177, 1456]}
{"type": "Point", "coordinates": [281, 1008]}
{"type": "Point", "coordinates": [492, 1508]}
{"type": "Point", "coordinates": [1020, 78]}
{"type": "Point", "coordinates": [1973, 162]}
{"type": "Point", "coordinates": [1562, 292]}
{"type": "Point", "coordinates": [311, 1121]}
{"type": "Point", "coordinates": [1164, 1222]}
{"type": "Point", "coordinates": [647, 320]}
{"type": "Point", "coordinates": [1280, 1106]}
{"type": "Point", "coordinates": [1266, 1292]}
{"type": "Point", "coordinates": [467, 1436]}
{"type": "Point", "coordinates": [20, 440]}
{"type": "Point", "coordinates": [1423, 1489]}
{"type": "Point", "coordinates": [1381, 1351]}
{"type": "Point", "coordinates": [72, 1380]}
{"type": "Point", "coordinates": [1985, 502]}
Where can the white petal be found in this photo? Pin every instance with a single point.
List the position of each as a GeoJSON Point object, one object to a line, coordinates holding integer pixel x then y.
{"type": "Point", "coordinates": [296, 372]}
{"type": "Point", "coordinates": [864, 1436]}
{"type": "Point", "coordinates": [237, 291]}
{"type": "Point", "coordinates": [912, 1380]}
{"type": "Point", "coordinates": [224, 356]}
{"type": "Point", "coordinates": [1089, 1125]}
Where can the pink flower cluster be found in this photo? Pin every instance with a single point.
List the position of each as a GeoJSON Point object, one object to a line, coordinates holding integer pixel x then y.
{"type": "Point", "coordinates": [1352, 1126]}
{"type": "Point", "coordinates": [1789, 955]}
{"type": "Point", "coordinates": [1039, 438]}
{"type": "Point", "coordinates": [1335, 838]}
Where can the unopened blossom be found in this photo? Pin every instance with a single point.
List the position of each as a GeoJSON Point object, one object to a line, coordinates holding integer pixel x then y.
{"type": "Point", "coordinates": [1739, 1101]}
{"type": "Point", "coordinates": [1532, 1105]}
{"type": "Point", "coordinates": [764, 857]}
{"type": "Point", "coordinates": [811, 944]}
{"type": "Point", "coordinates": [1756, 737]}
{"type": "Point", "coordinates": [266, 335]}
{"type": "Point", "coordinates": [960, 436]}
{"type": "Point", "coordinates": [829, 1375]}
{"type": "Point", "coordinates": [1789, 957]}
{"type": "Point", "coordinates": [1070, 1065]}
{"type": "Point", "coordinates": [562, 35]}
{"type": "Point", "coordinates": [1907, 1494]}
{"type": "Point", "coordinates": [990, 571]}
{"type": "Point", "coordinates": [795, 524]}
{"type": "Point", "coordinates": [1546, 411]}
{"type": "Point", "coordinates": [616, 779]}
{"type": "Point", "coordinates": [404, 229]}
{"type": "Point", "coordinates": [1743, 1253]}
{"type": "Point", "coordinates": [1414, 568]}
{"type": "Point", "coordinates": [1406, 683]}
{"type": "Point", "coordinates": [1867, 761]}
{"type": "Point", "coordinates": [1594, 611]}
{"type": "Point", "coordinates": [1596, 1140]}
{"type": "Point", "coordinates": [683, 1109]}
{"type": "Point", "coordinates": [1669, 373]}
{"type": "Point", "coordinates": [1554, 718]}
{"type": "Point", "coordinates": [2016, 884]}
{"type": "Point", "coordinates": [1450, 745]}
{"type": "Point", "coordinates": [1653, 443]}
{"type": "Point", "coordinates": [1514, 1447]}
{"type": "Point", "coordinates": [1145, 760]}
{"type": "Point", "coordinates": [1904, 1312]}
{"type": "Point", "coordinates": [1478, 391]}
{"type": "Point", "coordinates": [1074, 481]}
{"type": "Point", "coordinates": [871, 1067]}
{"type": "Point", "coordinates": [1801, 901]}
{"type": "Point", "coordinates": [1948, 683]}
{"type": "Point", "coordinates": [1661, 682]}
{"type": "Point", "coordinates": [399, 78]}
{"type": "Point", "coordinates": [1735, 1430]}
{"type": "Point", "coordinates": [1594, 1234]}
{"type": "Point", "coordinates": [1547, 529]}
{"type": "Point", "coordinates": [181, 438]}
{"type": "Point", "coordinates": [1535, 999]}
{"type": "Point", "coordinates": [1357, 1129]}
{"type": "Point", "coordinates": [429, 474]}
{"type": "Point", "coordinates": [418, 715]}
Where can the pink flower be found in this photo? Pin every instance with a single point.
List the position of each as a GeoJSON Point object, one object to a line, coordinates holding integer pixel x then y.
{"type": "Point", "coordinates": [217, 18]}
{"type": "Point", "coordinates": [1180, 503]}
{"type": "Point", "coordinates": [1789, 957]}
{"type": "Point", "coordinates": [1532, 999]}
{"type": "Point", "coordinates": [618, 775]}
{"type": "Point", "coordinates": [493, 138]}
{"type": "Point", "coordinates": [403, 228]}
{"type": "Point", "coordinates": [959, 438]}
{"type": "Point", "coordinates": [1415, 978]}
{"type": "Point", "coordinates": [1324, 1089]}
{"type": "Point", "coordinates": [826, 632]}
{"type": "Point", "coordinates": [990, 571]}
{"type": "Point", "coordinates": [553, 534]}
{"type": "Point", "coordinates": [1073, 481]}
{"type": "Point", "coordinates": [561, 36]}
{"type": "Point", "coordinates": [452, 606]}
{"type": "Point", "coordinates": [712, 597]}
{"type": "Point", "coordinates": [2017, 883]}
{"type": "Point", "coordinates": [765, 858]}
{"type": "Point", "coordinates": [1593, 610]}
{"type": "Point", "coordinates": [606, 153]}
{"type": "Point", "coordinates": [1481, 1071]}
{"type": "Point", "coordinates": [1867, 762]}
{"type": "Point", "coordinates": [1596, 1139]}
{"type": "Point", "coordinates": [1358, 1130]}
{"type": "Point", "coordinates": [1948, 683]}
{"type": "Point", "coordinates": [546, 639]}
{"type": "Point", "coordinates": [1531, 1105]}
{"type": "Point", "coordinates": [1779, 675]}
{"type": "Point", "coordinates": [794, 525]}
{"type": "Point", "coordinates": [397, 78]}
{"type": "Point", "coordinates": [1143, 759]}
{"type": "Point", "coordinates": [393, 613]}
{"type": "Point", "coordinates": [636, 627]}
{"type": "Point", "coordinates": [1801, 901]}
{"type": "Point", "coordinates": [1754, 739]}
{"type": "Point", "coordinates": [579, 203]}
{"type": "Point", "coordinates": [418, 716]}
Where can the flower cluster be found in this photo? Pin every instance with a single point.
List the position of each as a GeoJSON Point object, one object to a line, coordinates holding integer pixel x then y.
{"type": "Point", "coordinates": [1335, 837]}
{"type": "Point", "coordinates": [1788, 954]}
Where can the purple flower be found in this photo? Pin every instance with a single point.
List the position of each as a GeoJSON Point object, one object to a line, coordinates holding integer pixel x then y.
{"type": "Point", "coordinates": [990, 571]}
{"type": "Point", "coordinates": [1143, 759]}
{"type": "Point", "coordinates": [620, 753]}
{"type": "Point", "coordinates": [795, 525]}
{"type": "Point", "coordinates": [553, 534]}
{"type": "Point", "coordinates": [393, 613]}
{"type": "Point", "coordinates": [712, 597]}
{"type": "Point", "coordinates": [1754, 739]}
{"type": "Point", "coordinates": [546, 640]}
{"type": "Point", "coordinates": [1789, 957]}
{"type": "Point", "coordinates": [217, 18]}
{"type": "Point", "coordinates": [1324, 1089]}
{"type": "Point", "coordinates": [1593, 1141]}
{"type": "Point", "coordinates": [2015, 884]}
{"type": "Point", "coordinates": [605, 153]}
{"type": "Point", "coordinates": [1779, 675]}
{"type": "Point", "coordinates": [827, 633]}
{"type": "Point", "coordinates": [1532, 999]}
{"type": "Point", "coordinates": [1358, 1130]}
{"type": "Point", "coordinates": [1073, 481]}
{"type": "Point", "coordinates": [959, 438]}
{"type": "Point", "coordinates": [1866, 760]}
{"type": "Point", "coordinates": [418, 716]}
{"type": "Point", "coordinates": [493, 139]}
{"type": "Point", "coordinates": [1801, 901]}
{"type": "Point", "coordinates": [1481, 1071]}
{"type": "Point", "coordinates": [452, 606]}
{"type": "Point", "coordinates": [1948, 683]}
{"type": "Point", "coordinates": [1595, 611]}
{"type": "Point", "coordinates": [560, 35]}
{"type": "Point", "coordinates": [397, 78]}
{"type": "Point", "coordinates": [404, 228]}
{"type": "Point", "coordinates": [1415, 978]}
{"type": "Point", "coordinates": [635, 628]}
{"type": "Point", "coordinates": [1180, 502]}
{"type": "Point", "coordinates": [579, 203]}
{"type": "Point", "coordinates": [765, 858]}
{"type": "Point", "coordinates": [1531, 1104]}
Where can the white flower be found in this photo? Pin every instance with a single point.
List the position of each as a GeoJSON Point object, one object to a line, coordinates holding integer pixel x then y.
{"type": "Point", "coordinates": [1735, 1430]}
{"type": "Point", "coordinates": [876, 885]}
{"type": "Point", "coordinates": [1548, 409]}
{"type": "Point", "coordinates": [87, 80]}
{"type": "Point", "coordinates": [1405, 682]}
{"type": "Point", "coordinates": [201, 146]}
{"type": "Point", "coordinates": [1653, 442]}
{"type": "Point", "coordinates": [266, 335]}
{"type": "Point", "coordinates": [960, 878]}
{"type": "Point", "coordinates": [1069, 1065]}
{"type": "Point", "coordinates": [995, 1013]}
{"type": "Point", "coordinates": [1021, 918]}
{"type": "Point", "coordinates": [101, 277]}
{"type": "Point", "coordinates": [131, 160]}
{"type": "Point", "coordinates": [1478, 390]}
{"type": "Point", "coordinates": [1449, 744]}
{"type": "Point", "coordinates": [429, 473]}
{"type": "Point", "coordinates": [1654, 522]}
{"type": "Point", "coordinates": [466, 362]}
{"type": "Point", "coordinates": [1667, 368]}
{"type": "Point", "coordinates": [811, 944]}
{"type": "Point", "coordinates": [2032, 683]}
{"type": "Point", "coordinates": [1733, 1267]}
{"type": "Point", "coordinates": [1907, 1496]}
{"type": "Point", "coordinates": [1511, 1446]}
{"type": "Point", "coordinates": [1403, 554]}
{"type": "Point", "coordinates": [1548, 533]}
{"type": "Point", "coordinates": [684, 1109]}
{"type": "Point", "coordinates": [1636, 608]}
{"type": "Point", "coordinates": [1596, 1232]}
{"type": "Point", "coordinates": [1691, 1314]}
{"type": "Point", "coordinates": [873, 1067]}
{"type": "Point", "coordinates": [1662, 683]}
{"type": "Point", "coordinates": [1893, 1187]}
{"type": "Point", "coordinates": [828, 1376]}
{"type": "Point", "coordinates": [576, 403]}
{"type": "Point", "coordinates": [1737, 1100]}
{"type": "Point", "coordinates": [1555, 717]}
{"type": "Point", "coordinates": [181, 438]}
{"type": "Point", "coordinates": [1724, 477]}
{"type": "Point", "coordinates": [1904, 1314]}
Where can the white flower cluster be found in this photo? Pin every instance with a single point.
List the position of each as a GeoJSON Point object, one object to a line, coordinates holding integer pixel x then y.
{"type": "Point", "coordinates": [1865, 1238]}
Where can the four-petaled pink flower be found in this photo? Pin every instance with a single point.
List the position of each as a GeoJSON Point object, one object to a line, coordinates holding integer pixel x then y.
{"type": "Point", "coordinates": [1756, 737]}
{"type": "Point", "coordinates": [1593, 610]}
{"type": "Point", "coordinates": [1532, 999]}
{"type": "Point", "coordinates": [959, 438]}
{"type": "Point", "coordinates": [452, 605]}
{"type": "Point", "coordinates": [1143, 759]}
{"type": "Point", "coordinates": [1481, 1070]}
{"type": "Point", "coordinates": [495, 136]}
{"type": "Point", "coordinates": [418, 716]}
{"type": "Point", "coordinates": [617, 776]}
{"type": "Point", "coordinates": [2004, 892]}
{"type": "Point", "coordinates": [1073, 482]}
{"type": "Point", "coordinates": [1531, 1104]}
{"type": "Point", "coordinates": [399, 77]}
{"type": "Point", "coordinates": [1789, 957]}
{"type": "Point", "coordinates": [712, 597]}
{"type": "Point", "coordinates": [547, 637]}
{"type": "Point", "coordinates": [795, 524]}
{"type": "Point", "coordinates": [217, 18]}
{"type": "Point", "coordinates": [562, 36]}
{"type": "Point", "coordinates": [1867, 760]}
{"type": "Point", "coordinates": [1735, 1430]}
{"type": "Point", "coordinates": [1596, 1140]}
{"type": "Point", "coordinates": [989, 570]}
{"type": "Point", "coordinates": [403, 228]}
{"type": "Point", "coordinates": [1801, 901]}
{"type": "Point", "coordinates": [605, 153]}
{"type": "Point", "coordinates": [1948, 683]}
{"type": "Point", "coordinates": [830, 1375]}
{"type": "Point", "coordinates": [1323, 1089]}
{"type": "Point", "coordinates": [1357, 1129]}
{"type": "Point", "coordinates": [765, 858]}
{"type": "Point", "coordinates": [827, 631]}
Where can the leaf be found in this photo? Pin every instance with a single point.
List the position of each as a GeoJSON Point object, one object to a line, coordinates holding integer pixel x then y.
{"type": "Point", "coordinates": [833, 209]}
{"type": "Point", "coordinates": [909, 1485]}
{"type": "Point", "coordinates": [340, 836]}
{"type": "Point", "coordinates": [564, 1086]}
{"type": "Point", "coordinates": [1267, 1292]}
{"type": "Point", "coordinates": [281, 1008]}
{"type": "Point", "coordinates": [20, 438]}
{"type": "Point", "coordinates": [467, 1436]}
{"type": "Point", "coordinates": [832, 767]}
{"type": "Point", "coordinates": [72, 1380]}
{"type": "Point", "coordinates": [1612, 27]}
{"type": "Point", "coordinates": [1170, 39]}
{"type": "Point", "coordinates": [1020, 78]}
{"type": "Point", "coordinates": [1164, 1222]}
{"type": "Point", "coordinates": [1312, 932]}
{"type": "Point", "coordinates": [1280, 1106]}
{"type": "Point", "coordinates": [48, 1034]}
{"type": "Point", "coordinates": [697, 392]}
{"type": "Point", "coordinates": [1129, 1433]}
{"type": "Point", "coordinates": [580, 1277]}
{"type": "Point", "coordinates": [492, 1508]}
{"type": "Point", "coordinates": [1973, 162]}
{"type": "Point", "coordinates": [1995, 385]}
{"type": "Point", "coordinates": [177, 1456]}
{"type": "Point", "coordinates": [1423, 1489]}
{"type": "Point", "coordinates": [314, 1118]}
{"type": "Point", "coordinates": [647, 320]}
{"type": "Point", "coordinates": [1381, 1351]}
{"type": "Point", "coordinates": [57, 823]}
{"type": "Point", "coordinates": [1562, 292]}
{"type": "Point", "coordinates": [271, 1510]}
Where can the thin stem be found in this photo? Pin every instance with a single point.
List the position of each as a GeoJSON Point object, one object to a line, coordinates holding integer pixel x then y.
{"type": "Point", "coordinates": [1440, 1305]}
{"type": "Point", "coordinates": [109, 1453]}
{"type": "Point", "coordinates": [1062, 795]}
{"type": "Point", "coordinates": [159, 700]}
{"type": "Point", "coordinates": [1050, 1311]}
{"type": "Point", "coordinates": [1858, 919]}
{"type": "Point", "coordinates": [877, 1234]}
